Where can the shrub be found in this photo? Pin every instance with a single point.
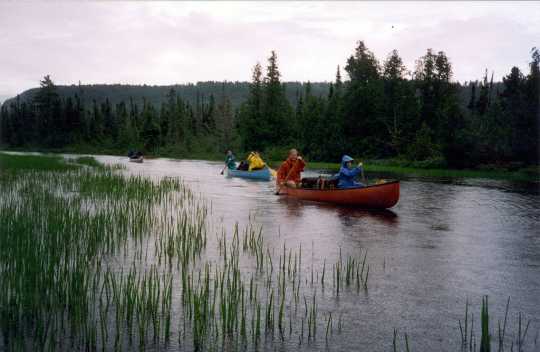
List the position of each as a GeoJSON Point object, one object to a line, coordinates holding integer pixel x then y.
{"type": "Point", "coordinates": [423, 148]}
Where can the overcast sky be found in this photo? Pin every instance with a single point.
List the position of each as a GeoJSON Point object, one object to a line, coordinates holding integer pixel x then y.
{"type": "Point", "coordinates": [178, 42]}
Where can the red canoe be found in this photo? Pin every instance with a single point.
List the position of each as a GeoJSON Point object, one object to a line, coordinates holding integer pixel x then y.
{"type": "Point", "coordinates": [379, 196]}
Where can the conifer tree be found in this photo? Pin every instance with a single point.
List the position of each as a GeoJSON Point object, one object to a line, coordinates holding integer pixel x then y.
{"type": "Point", "coordinates": [276, 110]}
{"type": "Point", "coordinates": [46, 104]}
{"type": "Point", "coordinates": [224, 121]}
{"type": "Point", "coordinates": [363, 102]}
{"type": "Point", "coordinates": [250, 121]}
{"type": "Point", "coordinates": [150, 131]}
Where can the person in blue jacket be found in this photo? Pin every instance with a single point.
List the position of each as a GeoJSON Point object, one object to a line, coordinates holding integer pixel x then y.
{"type": "Point", "coordinates": [347, 173]}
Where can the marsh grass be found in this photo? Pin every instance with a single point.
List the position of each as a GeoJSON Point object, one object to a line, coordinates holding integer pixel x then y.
{"type": "Point", "coordinates": [15, 162]}
{"type": "Point", "coordinates": [60, 230]}
{"type": "Point", "coordinates": [505, 339]}
{"type": "Point", "coordinates": [91, 259]}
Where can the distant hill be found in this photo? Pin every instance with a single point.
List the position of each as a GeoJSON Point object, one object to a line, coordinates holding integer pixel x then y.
{"type": "Point", "coordinates": [236, 91]}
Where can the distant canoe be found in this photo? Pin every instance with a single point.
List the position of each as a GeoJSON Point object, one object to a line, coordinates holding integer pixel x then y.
{"type": "Point", "coordinates": [379, 196]}
{"type": "Point", "coordinates": [137, 160]}
{"type": "Point", "coordinates": [263, 174]}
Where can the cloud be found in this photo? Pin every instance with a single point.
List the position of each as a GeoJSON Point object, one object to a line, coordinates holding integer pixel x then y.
{"type": "Point", "coordinates": [175, 42]}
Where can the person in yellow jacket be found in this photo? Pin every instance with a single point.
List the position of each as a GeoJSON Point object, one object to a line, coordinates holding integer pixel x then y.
{"type": "Point", "coordinates": [255, 161]}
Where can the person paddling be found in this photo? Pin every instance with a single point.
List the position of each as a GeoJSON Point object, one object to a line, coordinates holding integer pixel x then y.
{"type": "Point", "coordinates": [347, 173]}
{"type": "Point", "coordinates": [230, 161]}
{"type": "Point", "coordinates": [289, 173]}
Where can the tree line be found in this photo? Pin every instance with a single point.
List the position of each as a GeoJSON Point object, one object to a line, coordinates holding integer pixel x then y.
{"type": "Point", "coordinates": [385, 111]}
{"type": "Point", "coordinates": [236, 91]}
{"type": "Point", "coordinates": [379, 110]}
{"type": "Point", "coordinates": [176, 126]}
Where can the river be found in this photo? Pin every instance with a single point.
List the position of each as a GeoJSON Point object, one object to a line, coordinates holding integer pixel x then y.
{"type": "Point", "coordinates": [445, 242]}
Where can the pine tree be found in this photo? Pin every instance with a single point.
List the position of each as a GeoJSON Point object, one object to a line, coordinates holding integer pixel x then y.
{"type": "Point", "coordinates": [395, 104]}
{"type": "Point", "coordinates": [208, 116]}
{"type": "Point", "coordinates": [425, 79]}
{"type": "Point", "coordinates": [127, 135]}
{"type": "Point", "coordinates": [333, 145]}
{"type": "Point", "coordinates": [95, 128]}
{"type": "Point", "coordinates": [276, 110]}
{"type": "Point", "coordinates": [225, 124]}
{"type": "Point", "coordinates": [532, 92]}
{"type": "Point", "coordinates": [439, 104]}
{"type": "Point", "coordinates": [164, 119]}
{"type": "Point", "coordinates": [472, 101]}
{"type": "Point", "coordinates": [296, 124]}
{"type": "Point", "coordinates": [311, 124]}
{"type": "Point", "coordinates": [171, 114]}
{"type": "Point", "coordinates": [150, 134]}
{"type": "Point", "coordinates": [76, 120]}
{"type": "Point", "coordinates": [362, 67]}
{"type": "Point", "coordinates": [180, 119]}
{"type": "Point", "coordinates": [70, 123]}
{"type": "Point", "coordinates": [46, 103]}
{"type": "Point", "coordinates": [109, 121]}
{"type": "Point", "coordinates": [483, 100]}
{"type": "Point", "coordinates": [363, 103]}
{"type": "Point", "coordinates": [513, 101]}
{"type": "Point", "coordinates": [250, 121]}
{"type": "Point", "coordinates": [58, 134]}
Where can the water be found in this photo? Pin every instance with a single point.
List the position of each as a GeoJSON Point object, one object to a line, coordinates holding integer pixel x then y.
{"type": "Point", "coordinates": [447, 241]}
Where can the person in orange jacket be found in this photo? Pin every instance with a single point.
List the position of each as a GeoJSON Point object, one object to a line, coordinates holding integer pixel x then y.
{"type": "Point", "coordinates": [289, 172]}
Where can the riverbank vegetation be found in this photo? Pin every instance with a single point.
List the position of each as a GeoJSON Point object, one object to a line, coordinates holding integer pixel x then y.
{"type": "Point", "coordinates": [374, 109]}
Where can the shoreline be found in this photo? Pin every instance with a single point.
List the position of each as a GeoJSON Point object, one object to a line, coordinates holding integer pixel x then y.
{"type": "Point", "coordinates": [530, 174]}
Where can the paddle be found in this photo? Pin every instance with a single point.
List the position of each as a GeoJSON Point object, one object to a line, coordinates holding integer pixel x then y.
{"type": "Point", "coordinates": [272, 171]}
{"type": "Point", "coordinates": [362, 173]}
{"type": "Point", "coordinates": [287, 178]}
{"type": "Point", "coordinates": [222, 171]}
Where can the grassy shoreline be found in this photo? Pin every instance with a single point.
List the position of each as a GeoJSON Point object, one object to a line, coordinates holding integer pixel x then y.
{"type": "Point", "coordinates": [530, 174]}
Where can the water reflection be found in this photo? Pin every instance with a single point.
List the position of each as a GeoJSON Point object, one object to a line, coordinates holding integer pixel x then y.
{"type": "Point", "coordinates": [295, 207]}
{"type": "Point", "coordinates": [385, 216]}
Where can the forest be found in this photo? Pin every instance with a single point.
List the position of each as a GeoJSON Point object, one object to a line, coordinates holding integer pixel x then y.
{"type": "Point", "coordinates": [374, 109]}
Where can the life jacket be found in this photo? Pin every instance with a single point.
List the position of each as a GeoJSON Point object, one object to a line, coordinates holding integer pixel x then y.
{"type": "Point", "coordinates": [255, 161]}
{"type": "Point", "coordinates": [290, 170]}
